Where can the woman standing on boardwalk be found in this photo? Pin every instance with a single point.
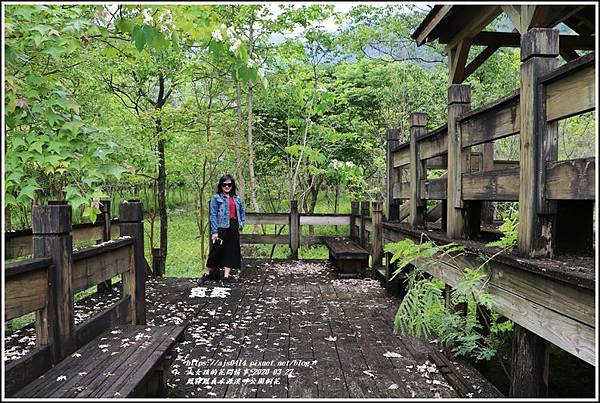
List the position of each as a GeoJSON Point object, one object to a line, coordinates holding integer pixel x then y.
{"type": "Point", "coordinates": [227, 218]}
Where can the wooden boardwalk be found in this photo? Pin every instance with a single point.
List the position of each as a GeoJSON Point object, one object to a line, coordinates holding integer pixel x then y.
{"type": "Point", "coordinates": [291, 330]}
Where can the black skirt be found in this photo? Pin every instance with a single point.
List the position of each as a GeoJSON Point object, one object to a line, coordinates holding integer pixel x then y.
{"type": "Point", "coordinates": [228, 253]}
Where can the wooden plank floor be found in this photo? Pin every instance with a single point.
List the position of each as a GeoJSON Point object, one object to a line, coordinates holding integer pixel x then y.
{"type": "Point", "coordinates": [291, 330]}
{"type": "Point", "coordinates": [288, 330]}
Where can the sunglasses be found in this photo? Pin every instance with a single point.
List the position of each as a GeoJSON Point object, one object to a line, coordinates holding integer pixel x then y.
{"type": "Point", "coordinates": [228, 185]}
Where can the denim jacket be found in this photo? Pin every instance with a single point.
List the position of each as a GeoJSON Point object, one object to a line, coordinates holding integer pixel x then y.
{"type": "Point", "coordinates": [219, 212]}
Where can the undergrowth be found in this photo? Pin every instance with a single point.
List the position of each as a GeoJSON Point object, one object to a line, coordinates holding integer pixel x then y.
{"type": "Point", "coordinates": [423, 310]}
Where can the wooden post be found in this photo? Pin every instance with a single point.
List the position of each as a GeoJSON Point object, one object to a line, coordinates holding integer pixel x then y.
{"type": "Point", "coordinates": [105, 286]}
{"type": "Point", "coordinates": [131, 216]}
{"type": "Point", "coordinates": [51, 228]}
{"type": "Point", "coordinates": [459, 101]}
{"type": "Point", "coordinates": [353, 216]}
{"type": "Point", "coordinates": [364, 213]}
{"type": "Point", "coordinates": [392, 207]}
{"type": "Point", "coordinates": [294, 229]}
{"type": "Point", "coordinates": [487, 164]}
{"type": "Point", "coordinates": [418, 206]}
{"type": "Point", "coordinates": [529, 369]}
{"type": "Point", "coordinates": [377, 231]}
{"type": "Point", "coordinates": [539, 51]}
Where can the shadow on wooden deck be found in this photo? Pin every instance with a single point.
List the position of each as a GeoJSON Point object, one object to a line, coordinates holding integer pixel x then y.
{"type": "Point", "coordinates": [290, 329]}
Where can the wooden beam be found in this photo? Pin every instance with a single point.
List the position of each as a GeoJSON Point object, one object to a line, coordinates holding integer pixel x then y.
{"type": "Point", "coordinates": [26, 293]}
{"type": "Point", "coordinates": [263, 239]}
{"type": "Point", "coordinates": [100, 267]}
{"type": "Point", "coordinates": [267, 218]}
{"type": "Point", "coordinates": [539, 48]}
{"type": "Point", "coordinates": [418, 207]}
{"type": "Point", "coordinates": [571, 95]}
{"type": "Point", "coordinates": [558, 309]}
{"type": "Point", "coordinates": [502, 185]}
{"type": "Point", "coordinates": [487, 164]}
{"type": "Point", "coordinates": [433, 146]}
{"type": "Point", "coordinates": [513, 40]}
{"type": "Point", "coordinates": [392, 207]}
{"type": "Point", "coordinates": [457, 59]}
{"type": "Point", "coordinates": [401, 157]}
{"type": "Point", "coordinates": [571, 180]}
{"type": "Point", "coordinates": [520, 16]}
{"type": "Point", "coordinates": [459, 102]}
{"type": "Point", "coordinates": [434, 189]}
{"type": "Point", "coordinates": [325, 220]}
{"type": "Point", "coordinates": [439, 16]}
{"type": "Point", "coordinates": [492, 121]}
{"type": "Point", "coordinates": [530, 363]}
{"type": "Point", "coordinates": [568, 54]}
{"type": "Point", "coordinates": [475, 26]}
{"type": "Point", "coordinates": [479, 60]}
{"type": "Point", "coordinates": [439, 162]}
{"type": "Point", "coordinates": [131, 223]}
{"type": "Point", "coordinates": [435, 213]}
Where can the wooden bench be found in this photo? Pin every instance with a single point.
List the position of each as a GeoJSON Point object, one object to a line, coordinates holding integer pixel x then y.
{"type": "Point", "coordinates": [125, 361]}
{"type": "Point", "coordinates": [349, 258]}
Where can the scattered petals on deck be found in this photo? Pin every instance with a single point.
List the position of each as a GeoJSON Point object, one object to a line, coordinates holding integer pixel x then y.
{"type": "Point", "coordinates": [289, 330]}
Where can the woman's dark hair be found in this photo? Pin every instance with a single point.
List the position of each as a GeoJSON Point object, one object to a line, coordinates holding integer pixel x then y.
{"type": "Point", "coordinates": [223, 179]}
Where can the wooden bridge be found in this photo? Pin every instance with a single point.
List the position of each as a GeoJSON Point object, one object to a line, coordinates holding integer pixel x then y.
{"type": "Point", "coordinates": [547, 287]}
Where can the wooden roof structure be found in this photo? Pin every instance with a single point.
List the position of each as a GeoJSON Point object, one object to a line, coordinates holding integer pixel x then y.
{"type": "Point", "coordinates": [461, 26]}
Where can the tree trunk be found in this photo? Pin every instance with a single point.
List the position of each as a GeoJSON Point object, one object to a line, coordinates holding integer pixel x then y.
{"type": "Point", "coordinates": [253, 198]}
{"type": "Point", "coordinates": [314, 194]}
{"type": "Point", "coordinates": [7, 221]}
{"type": "Point", "coordinates": [162, 202]}
{"type": "Point", "coordinates": [238, 149]}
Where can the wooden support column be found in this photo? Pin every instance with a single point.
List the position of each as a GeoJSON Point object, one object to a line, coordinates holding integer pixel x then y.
{"type": "Point", "coordinates": [51, 228]}
{"type": "Point", "coordinates": [487, 164]}
{"type": "Point", "coordinates": [131, 216]}
{"type": "Point", "coordinates": [459, 101]}
{"type": "Point", "coordinates": [105, 286]}
{"type": "Point", "coordinates": [353, 216]}
{"type": "Point", "coordinates": [418, 206]}
{"type": "Point", "coordinates": [294, 229]}
{"type": "Point", "coordinates": [364, 213]}
{"type": "Point", "coordinates": [539, 51]}
{"type": "Point", "coordinates": [377, 231]}
{"type": "Point", "coordinates": [529, 369]}
{"type": "Point", "coordinates": [392, 207]}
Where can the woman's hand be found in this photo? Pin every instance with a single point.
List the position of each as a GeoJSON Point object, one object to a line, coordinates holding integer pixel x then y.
{"type": "Point", "coordinates": [214, 237]}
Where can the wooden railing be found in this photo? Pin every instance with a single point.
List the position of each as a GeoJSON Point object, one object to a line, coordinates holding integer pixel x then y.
{"type": "Point", "coordinates": [556, 201]}
{"type": "Point", "coordinates": [46, 285]}
{"type": "Point", "coordinates": [359, 222]}
{"type": "Point", "coordinates": [20, 243]}
{"type": "Point", "coordinates": [567, 91]}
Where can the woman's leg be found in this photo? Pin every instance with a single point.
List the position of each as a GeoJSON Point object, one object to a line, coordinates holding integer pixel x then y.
{"type": "Point", "coordinates": [226, 271]}
{"type": "Point", "coordinates": [204, 276]}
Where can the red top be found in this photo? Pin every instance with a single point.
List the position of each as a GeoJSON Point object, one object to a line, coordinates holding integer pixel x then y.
{"type": "Point", "coordinates": [232, 208]}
